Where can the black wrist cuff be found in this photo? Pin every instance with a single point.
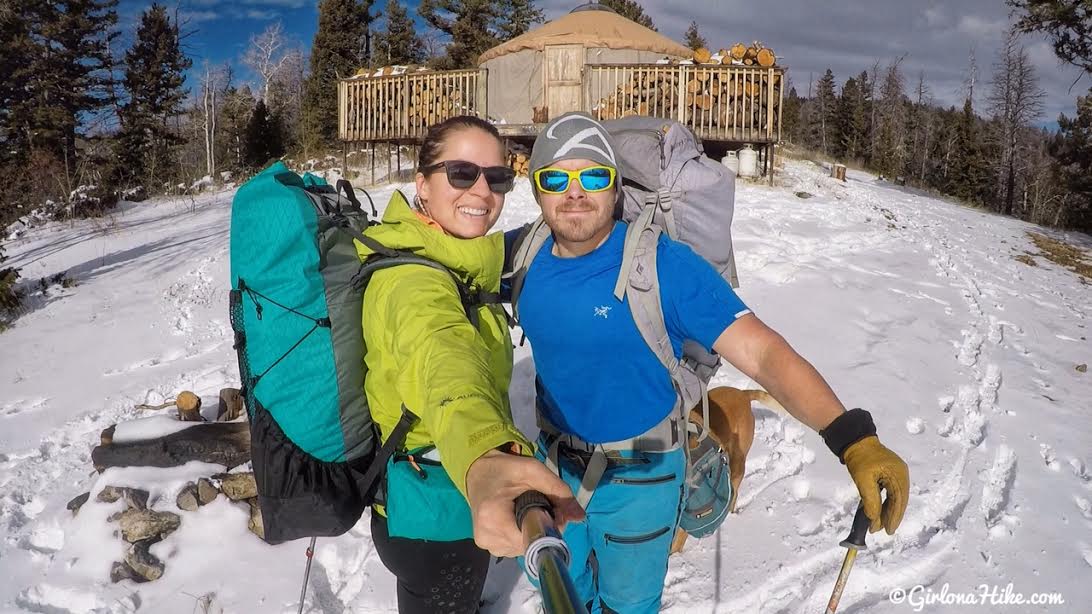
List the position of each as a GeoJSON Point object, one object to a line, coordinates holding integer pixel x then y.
{"type": "Point", "coordinates": [848, 429]}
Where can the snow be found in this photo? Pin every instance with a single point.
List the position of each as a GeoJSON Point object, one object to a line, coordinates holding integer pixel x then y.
{"type": "Point", "coordinates": [911, 306]}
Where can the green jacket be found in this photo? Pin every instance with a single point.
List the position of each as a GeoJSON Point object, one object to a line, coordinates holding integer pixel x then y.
{"type": "Point", "coordinates": [424, 353]}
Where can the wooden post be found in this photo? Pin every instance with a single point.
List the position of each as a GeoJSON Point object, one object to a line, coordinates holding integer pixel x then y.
{"type": "Point", "coordinates": [772, 149]}
{"type": "Point", "coordinates": [482, 103]}
{"type": "Point", "coordinates": [838, 171]}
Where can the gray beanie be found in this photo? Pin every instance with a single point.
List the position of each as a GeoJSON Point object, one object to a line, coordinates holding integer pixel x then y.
{"type": "Point", "coordinates": [574, 136]}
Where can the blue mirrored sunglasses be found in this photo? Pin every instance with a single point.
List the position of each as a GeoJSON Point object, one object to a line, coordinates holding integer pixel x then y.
{"type": "Point", "coordinates": [592, 179]}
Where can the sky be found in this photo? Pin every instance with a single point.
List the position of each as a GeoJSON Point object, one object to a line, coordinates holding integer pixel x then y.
{"type": "Point", "coordinates": [936, 37]}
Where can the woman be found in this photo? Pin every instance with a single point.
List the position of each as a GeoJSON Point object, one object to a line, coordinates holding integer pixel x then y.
{"type": "Point", "coordinates": [443, 360]}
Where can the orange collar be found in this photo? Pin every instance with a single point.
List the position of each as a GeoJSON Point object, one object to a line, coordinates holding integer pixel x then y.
{"type": "Point", "coordinates": [428, 221]}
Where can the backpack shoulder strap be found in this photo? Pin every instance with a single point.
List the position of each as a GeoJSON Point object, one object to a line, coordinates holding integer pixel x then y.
{"type": "Point", "coordinates": [639, 282]}
{"type": "Point", "coordinates": [527, 246]}
{"type": "Point", "coordinates": [470, 298]}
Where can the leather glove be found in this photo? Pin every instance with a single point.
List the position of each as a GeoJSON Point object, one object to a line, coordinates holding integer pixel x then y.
{"type": "Point", "coordinates": [852, 437]}
{"type": "Point", "coordinates": [872, 467]}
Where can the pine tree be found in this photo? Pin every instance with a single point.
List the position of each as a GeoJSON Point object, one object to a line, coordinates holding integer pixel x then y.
{"type": "Point", "coordinates": [631, 10]}
{"type": "Point", "coordinates": [55, 78]}
{"type": "Point", "coordinates": [338, 50]}
{"type": "Point", "coordinates": [263, 139]}
{"type": "Point", "coordinates": [517, 17]}
{"type": "Point", "coordinates": [850, 120]}
{"type": "Point", "coordinates": [1066, 23]}
{"type": "Point", "coordinates": [790, 116]}
{"type": "Point", "coordinates": [823, 123]}
{"type": "Point", "coordinates": [1072, 149]}
{"type": "Point", "coordinates": [475, 26]}
{"type": "Point", "coordinates": [968, 175]}
{"type": "Point", "coordinates": [398, 43]}
{"type": "Point", "coordinates": [867, 103]}
{"type": "Point", "coordinates": [10, 296]}
{"type": "Point", "coordinates": [694, 39]}
{"type": "Point", "coordinates": [74, 74]}
{"type": "Point", "coordinates": [154, 76]}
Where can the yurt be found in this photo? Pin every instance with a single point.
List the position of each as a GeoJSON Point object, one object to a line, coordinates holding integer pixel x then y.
{"type": "Point", "coordinates": [543, 68]}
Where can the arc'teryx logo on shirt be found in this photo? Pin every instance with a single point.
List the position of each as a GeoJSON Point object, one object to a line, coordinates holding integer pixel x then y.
{"type": "Point", "coordinates": [602, 311]}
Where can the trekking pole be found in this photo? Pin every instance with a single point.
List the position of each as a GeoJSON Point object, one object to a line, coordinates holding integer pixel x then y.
{"type": "Point", "coordinates": [853, 543]}
{"type": "Point", "coordinates": [307, 572]}
{"type": "Point", "coordinates": [546, 554]}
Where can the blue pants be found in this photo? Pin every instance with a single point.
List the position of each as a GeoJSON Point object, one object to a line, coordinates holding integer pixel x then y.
{"type": "Point", "coordinates": [631, 521]}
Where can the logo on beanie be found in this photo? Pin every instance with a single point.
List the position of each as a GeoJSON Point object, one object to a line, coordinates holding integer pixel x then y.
{"type": "Point", "coordinates": [584, 139]}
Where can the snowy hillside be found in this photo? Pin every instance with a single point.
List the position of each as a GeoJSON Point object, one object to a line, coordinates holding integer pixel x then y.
{"type": "Point", "coordinates": [912, 307]}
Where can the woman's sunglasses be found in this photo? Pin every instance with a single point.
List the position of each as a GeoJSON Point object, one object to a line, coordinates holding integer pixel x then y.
{"type": "Point", "coordinates": [461, 175]}
{"type": "Point", "coordinates": [592, 179]}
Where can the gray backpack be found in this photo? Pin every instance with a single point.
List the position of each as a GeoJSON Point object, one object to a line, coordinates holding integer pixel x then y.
{"type": "Point", "coordinates": [669, 185]}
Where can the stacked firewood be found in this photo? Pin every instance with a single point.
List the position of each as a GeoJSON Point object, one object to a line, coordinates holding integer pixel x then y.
{"type": "Point", "coordinates": [738, 54]}
{"type": "Point", "coordinates": [520, 162]}
{"type": "Point", "coordinates": [424, 100]}
{"type": "Point", "coordinates": [704, 92]}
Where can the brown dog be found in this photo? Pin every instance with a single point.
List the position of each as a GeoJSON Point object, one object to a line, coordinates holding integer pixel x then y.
{"type": "Point", "coordinates": [732, 425]}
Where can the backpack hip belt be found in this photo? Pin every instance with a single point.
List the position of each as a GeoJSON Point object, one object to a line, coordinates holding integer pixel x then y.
{"type": "Point", "coordinates": [668, 435]}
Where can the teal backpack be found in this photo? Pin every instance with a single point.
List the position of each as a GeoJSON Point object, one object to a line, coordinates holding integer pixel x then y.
{"type": "Point", "coordinates": [296, 300]}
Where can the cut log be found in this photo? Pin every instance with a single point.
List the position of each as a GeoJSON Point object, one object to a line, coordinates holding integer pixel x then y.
{"type": "Point", "coordinates": [222, 443]}
{"type": "Point", "coordinates": [189, 406]}
{"type": "Point", "coordinates": [231, 405]}
{"type": "Point", "coordinates": [693, 86]}
{"type": "Point", "coordinates": [738, 51]}
{"type": "Point", "coordinates": [702, 55]}
{"type": "Point", "coordinates": [765, 58]}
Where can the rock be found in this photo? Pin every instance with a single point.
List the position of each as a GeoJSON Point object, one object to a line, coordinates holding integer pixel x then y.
{"type": "Point", "coordinates": [121, 571]}
{"type": "Point", "coordinates": [238, 486]}
{"type": "Point", "coordinates": [137, 525]}
{"type": "Point", "coordinates": [75, 504]}
{"type": "Point", "coordinates": [803, 195]}
{"type": "Point", "coordinates": [1082, 368]}
{"type": "Point", "coordinates": [144, 563]}
{"type": "Point", "coordinates": [187, 498]}
{"type": "Point", "coordinates": [255, 525]}
{"type": "Point", "coordinates": [135, 498]}
{"type": "Point", "coordinates": [206, 492]}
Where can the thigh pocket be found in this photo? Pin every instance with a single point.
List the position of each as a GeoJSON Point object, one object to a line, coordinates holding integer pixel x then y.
{"type": "Point", "coordinates": [635, 539]}
{"type": "Point", "coordinates": [644, 481]}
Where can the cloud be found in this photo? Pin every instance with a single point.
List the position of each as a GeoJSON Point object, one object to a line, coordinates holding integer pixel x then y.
{"type": "Point", "coordinates": [261, 15]}
{"type": "Point", "coordinates": [979, 27]}
{"type": "Point", "coordinates": [189, 16]}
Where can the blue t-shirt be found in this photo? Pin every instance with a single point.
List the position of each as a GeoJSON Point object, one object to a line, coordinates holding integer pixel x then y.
{"type": "Point", "coordinates": [599, 380]}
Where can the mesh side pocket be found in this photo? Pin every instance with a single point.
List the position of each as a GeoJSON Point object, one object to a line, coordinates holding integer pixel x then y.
{"type": "Point", "coordinates": [235, 307]}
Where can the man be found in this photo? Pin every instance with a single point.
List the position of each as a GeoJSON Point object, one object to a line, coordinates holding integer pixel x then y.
{"type": "Point", "coordinates": [599, 382]}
